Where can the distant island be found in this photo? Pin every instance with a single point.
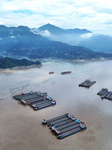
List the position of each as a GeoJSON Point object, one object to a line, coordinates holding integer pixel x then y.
{"type": "Point", "coordinates": [10, 62]}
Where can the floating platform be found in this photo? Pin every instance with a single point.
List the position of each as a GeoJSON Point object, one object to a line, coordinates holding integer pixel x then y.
{"type": "Point", "coordinates": [65, 125]}
{"type": "Point", "coordinates": [43, 104]}
{"type": "Point", "coordinates": [35, 100]}
{"type": "Point", "coordinates": [87, 83]}
{"type": "Point", "coordinates": [22, 95]}
{"type": "Point", "coordinates": [54, 119]}
{"type": "Point", "coordinates": [105, 94]}
{"type": "Point", "coordinates": [100, 92]}
{"type": "Point", "coordinates": [29, 95]}
{"type": "Point", "coordinates": [81, 126]}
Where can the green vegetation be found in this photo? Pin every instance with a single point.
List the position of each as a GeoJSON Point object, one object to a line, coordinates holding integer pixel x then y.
{"type": "Point", "coordinates": [10, 63]}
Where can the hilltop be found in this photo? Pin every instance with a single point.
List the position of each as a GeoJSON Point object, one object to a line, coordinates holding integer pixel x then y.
{"type": "Point", "coordinates": [56, 30]}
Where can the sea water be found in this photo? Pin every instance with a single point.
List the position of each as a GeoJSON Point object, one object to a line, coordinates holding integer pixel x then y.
{"type": "Point", "coordinates": [20, 126]}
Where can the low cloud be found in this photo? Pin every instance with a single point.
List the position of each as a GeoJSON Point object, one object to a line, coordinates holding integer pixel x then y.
{"type": "Point", "coordinates": [88, 35]}
{"type": "Point", "coordinates": [13, 37]}
{"type": "Point", "coordinates": [45, 33]}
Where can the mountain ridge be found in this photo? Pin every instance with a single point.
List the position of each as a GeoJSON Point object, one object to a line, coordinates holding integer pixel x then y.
{"type": "Point", "coordinates": [57, 30]}
{"type": "Point", "coordinates": [98, 43]}
{"type": "Point", "coordinates": [22, 42]}
{"type": "Point", "coordinates": [78, 37]}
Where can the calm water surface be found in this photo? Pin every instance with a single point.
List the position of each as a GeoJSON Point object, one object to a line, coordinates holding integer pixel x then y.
{"type": "Point", "coordinates": [20, 126]}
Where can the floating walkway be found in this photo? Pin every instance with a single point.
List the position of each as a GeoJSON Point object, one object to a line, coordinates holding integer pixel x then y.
{"type": "Point", "coordinates": [105, 94]}
{"type": "Point", "coordinates": [64, 125]}
{"type": "Point", "coordinates": [87, 83]}
{"type": "Point", "coordinates": [35, 100]}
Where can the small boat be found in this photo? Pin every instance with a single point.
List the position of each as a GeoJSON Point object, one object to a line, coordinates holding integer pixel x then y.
{"type": "Point", "coordinates": [65, 72]}
{"type": "Point", "coordinates": [51, 72]}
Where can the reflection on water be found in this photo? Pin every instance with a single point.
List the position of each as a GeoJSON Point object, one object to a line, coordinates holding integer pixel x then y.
{"type": "Point", "coordinates": [20, 127]}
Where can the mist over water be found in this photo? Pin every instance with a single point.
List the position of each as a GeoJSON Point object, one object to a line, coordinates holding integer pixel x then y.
{"type": "Point", "coordinates": [20, 126]}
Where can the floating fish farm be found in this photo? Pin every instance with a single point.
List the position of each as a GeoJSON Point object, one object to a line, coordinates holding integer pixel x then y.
{"type": "Point", "coordinates": [64, 125]}
{"type": "Point", "coordinates": [87, 83]}
{"type": "Point", "coordinates": [35, 100]}
{"type": "Point", "coordinates": [105, 94]}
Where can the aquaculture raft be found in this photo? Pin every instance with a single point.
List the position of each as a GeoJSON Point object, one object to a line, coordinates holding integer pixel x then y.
{"type": "Point", "coordinates": [105, 94]}
{"type": "Point", "coordinates": [65, 125]}
{"type": "Point", "coordinates": [35, 100]}
{"type": "Point", "coordinates": [87, 83]}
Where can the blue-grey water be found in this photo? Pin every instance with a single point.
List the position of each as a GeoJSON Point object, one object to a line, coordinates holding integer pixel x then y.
{"type": "Point", "coordinates": [20, 126]}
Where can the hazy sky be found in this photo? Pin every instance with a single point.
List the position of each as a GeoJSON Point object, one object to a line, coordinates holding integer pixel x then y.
{"type": "Point", "coordinates": [94, 15]}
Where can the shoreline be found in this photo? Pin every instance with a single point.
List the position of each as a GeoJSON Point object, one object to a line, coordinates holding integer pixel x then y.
{"type": "Point", "coordinates": [73, 60]}
{"type": "Point", "coordinates": [21, 68]}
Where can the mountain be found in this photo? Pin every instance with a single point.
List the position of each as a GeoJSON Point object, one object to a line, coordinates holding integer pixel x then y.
{"type": "Point", "coordinates": [18, 41]}
{"type": "Point", "coordinates": [98, 43]}
{"type": "Point", "coordinates": [23, 42]}
{"type": "Point", "coordinates": [58, 31]}
{"type": "Point", "coordinates": [77, 37]}
{"type": "Point", "coordinates": [10, 63]}
{"type": "Point", "coordinates": [69, 36]}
